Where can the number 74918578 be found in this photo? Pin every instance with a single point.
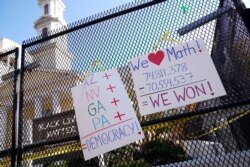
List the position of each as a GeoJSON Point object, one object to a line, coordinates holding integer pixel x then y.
{"type": "Point", "coordinates": [165, 72]}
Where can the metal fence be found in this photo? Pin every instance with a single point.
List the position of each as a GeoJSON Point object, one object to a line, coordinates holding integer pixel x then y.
{"type": "Point", "coordinates": [8, 106]}
{"type": "Point", "coordinates": [209, 133]}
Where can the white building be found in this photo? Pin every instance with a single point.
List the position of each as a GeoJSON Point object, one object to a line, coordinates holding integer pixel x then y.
{"type": "Point", "coordinates": [43, 84]}
{"type": "Point", "coordinates": [51, 16]}
{"type": "Point", "coordinates": [6, 66]}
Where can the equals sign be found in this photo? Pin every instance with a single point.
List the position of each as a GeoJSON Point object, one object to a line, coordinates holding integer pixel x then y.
{"type": "Point", "coordinates": [144, 103]}
{"type": "Point", "coordinates": [141, 89]}
{"type": "Point", "coordinates": [84, 146]}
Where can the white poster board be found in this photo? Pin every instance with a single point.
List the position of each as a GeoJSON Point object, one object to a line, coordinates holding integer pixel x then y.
{"type": "Point", "coordinates": [105, 117]}
{"type": "Point", "coordinates": [176, 76]}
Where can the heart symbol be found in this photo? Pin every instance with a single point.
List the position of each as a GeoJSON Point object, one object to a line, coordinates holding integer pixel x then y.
{"type": "Point", "coordinates": [156, 58]}
{"type": "Point", "coordinates": [212, 93]}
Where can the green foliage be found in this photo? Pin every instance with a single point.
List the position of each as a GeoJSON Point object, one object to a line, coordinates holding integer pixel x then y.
{"type": "Point", "coordinates": [135, 163]}
{"type": "Point", "coordinates": [160, 151]}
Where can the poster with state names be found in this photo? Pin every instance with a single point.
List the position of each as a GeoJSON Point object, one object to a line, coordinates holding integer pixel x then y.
{"type": "Point", "coordinates": [105, 117]}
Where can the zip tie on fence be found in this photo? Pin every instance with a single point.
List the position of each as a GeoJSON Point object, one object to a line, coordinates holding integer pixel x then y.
{"type": "Point", "coordinates": [184, 8]}
{"type": "Point", "coordinates": [95, 63]}
{"type": "Point", "coordinates": [166, 38]}
{"type": "Point", "coordinates": [222, 125]}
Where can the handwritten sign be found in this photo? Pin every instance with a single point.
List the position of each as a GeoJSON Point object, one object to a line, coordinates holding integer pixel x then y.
{"type": "Point", "coordinates": [174, 77]}
{"type": "Point", "coordinates": [58, 126]}
{"type": "Point", "coordinates": [105, 117]}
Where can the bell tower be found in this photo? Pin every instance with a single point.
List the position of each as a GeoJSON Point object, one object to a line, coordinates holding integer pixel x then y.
{"type": "Point", "coordinates": [55, 54]}
{"type": "Point", "coordinates": [51, 16]}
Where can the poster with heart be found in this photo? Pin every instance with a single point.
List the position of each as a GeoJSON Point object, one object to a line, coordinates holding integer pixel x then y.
{"type": "Point", "coordinates": [174, 77]}
{"type": "Point", "coordinates": [105, 117]}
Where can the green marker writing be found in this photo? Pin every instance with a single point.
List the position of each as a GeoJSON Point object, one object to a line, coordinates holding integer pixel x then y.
{"type": "Point", "coordinates": [184, 9]}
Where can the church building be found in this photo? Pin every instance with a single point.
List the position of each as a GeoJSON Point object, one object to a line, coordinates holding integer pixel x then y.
{"type": "Point", "coordinates": [48, 73]}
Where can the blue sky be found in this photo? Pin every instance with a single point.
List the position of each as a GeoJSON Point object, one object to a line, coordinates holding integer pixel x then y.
{"type": "Point", "coordinates": [17, 16]}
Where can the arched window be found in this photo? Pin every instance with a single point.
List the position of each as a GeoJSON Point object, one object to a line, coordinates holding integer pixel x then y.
{"type": "Point", "coordinates": [45, 32]}
{"type": "Point", "coordinates": [46, 9]}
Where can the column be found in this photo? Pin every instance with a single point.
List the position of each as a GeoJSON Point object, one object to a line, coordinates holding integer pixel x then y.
{"type": "Point", "coordinates": [29, 137]}
{"type": "Point", "coordinates": [101, 161]}
{"type": "Point", "coordinates": [29, 131]}
{"type": "Point", "coordinates": [56, 104]}
{"type": "Point", "coordinates": [38, 107]}
{"type": "Point", "coordinates": [3, 119]}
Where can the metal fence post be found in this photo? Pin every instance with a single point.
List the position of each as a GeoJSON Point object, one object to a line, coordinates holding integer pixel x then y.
{"type": "Point", "coordinates": [20, 111]}
{"type": "Point", "coordinates": [15, 108]}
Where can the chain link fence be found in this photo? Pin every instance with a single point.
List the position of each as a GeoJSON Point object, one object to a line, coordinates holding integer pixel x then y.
{"type": "Point", "coordinates": [210, 133]}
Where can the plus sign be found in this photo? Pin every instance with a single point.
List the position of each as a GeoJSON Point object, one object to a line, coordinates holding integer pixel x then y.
{"type": "Point", "coordinates": [106, 76]}
{"type": "Point", "coordinates": [111, 88]}
{"type": "Point", "coordinates": [115, 101]}
{"type": "Point", "coordinates": [119, 115]}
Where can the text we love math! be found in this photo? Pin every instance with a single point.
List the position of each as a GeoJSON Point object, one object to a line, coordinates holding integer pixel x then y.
{"type": "Point", "coordinates": [174, 77]}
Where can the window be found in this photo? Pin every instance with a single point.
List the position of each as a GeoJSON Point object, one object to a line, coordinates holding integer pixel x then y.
{"type": "Point", "coordinates": [46, 9]}
{"type": "Point", "coordinates": [5, 61]}
{"type": "Point", "coordinates": [45, 32]}
{"type": "Point", "coordinates": [47, 112]}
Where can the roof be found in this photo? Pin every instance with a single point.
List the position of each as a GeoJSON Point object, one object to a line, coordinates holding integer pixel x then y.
{"type": "Point", "coordinates": [6, 44]}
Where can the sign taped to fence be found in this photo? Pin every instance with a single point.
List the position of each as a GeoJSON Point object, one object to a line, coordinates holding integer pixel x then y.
{"type": "Point", "coordinates": [105, 117]}
{"type": "Point", "coordinates": [174, 77]}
